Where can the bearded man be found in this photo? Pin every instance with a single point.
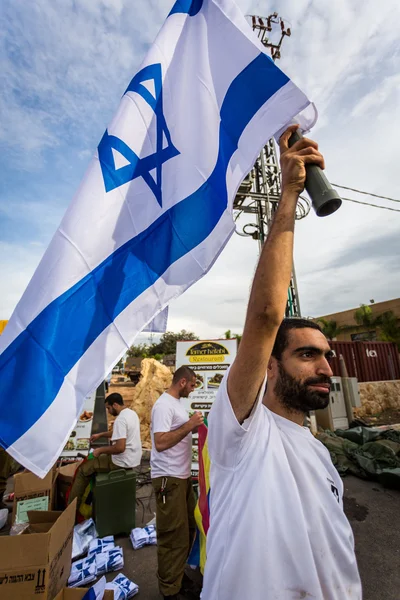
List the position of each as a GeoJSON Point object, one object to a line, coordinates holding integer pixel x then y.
{"type": "Point", "coordinates": [277, 526]}
{"type": "Point", "coordinates": [124, 452]}
{"type": "Point", "coordinates": [171, 461]}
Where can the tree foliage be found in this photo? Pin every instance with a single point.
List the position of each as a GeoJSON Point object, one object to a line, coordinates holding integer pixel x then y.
{"type": "Point", "coordinates": [233, 336]}
{"type": "Point", "coordinates": [389, 329]}
{"type": "Point", "coordinates": [364, 317]}
{"type": "Point", "coordinates": [166, 345]}
{"type": "Point", "coordinates": [330, 329]}
{"type": "Point", "coordinates": [387, 324]}
{"type": "Point", "coordinates": [140, 351]}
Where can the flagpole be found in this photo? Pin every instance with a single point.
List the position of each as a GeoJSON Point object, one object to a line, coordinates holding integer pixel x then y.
{"type": "Point", "coordinates": [260, 191]}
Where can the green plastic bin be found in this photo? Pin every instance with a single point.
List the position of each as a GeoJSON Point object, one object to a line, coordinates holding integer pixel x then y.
{"type": "Point", "coordinates": [115, 502]}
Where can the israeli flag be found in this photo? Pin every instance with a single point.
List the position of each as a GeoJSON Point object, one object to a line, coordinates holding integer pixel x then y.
{"type": "Point", "coordinates": [159, 323]}
{"type": "Point", "coordinates": [150, 218]}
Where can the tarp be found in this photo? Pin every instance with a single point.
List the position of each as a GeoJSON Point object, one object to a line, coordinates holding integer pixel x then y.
{"type": "Point", "coordinates": [365, 452]}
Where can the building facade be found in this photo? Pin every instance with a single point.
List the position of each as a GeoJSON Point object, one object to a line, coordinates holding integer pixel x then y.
{"type": "Point", "coordinates": [352, 332]}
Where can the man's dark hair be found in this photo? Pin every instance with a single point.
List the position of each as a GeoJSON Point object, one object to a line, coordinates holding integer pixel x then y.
{"type": "Point", "coordinates": [183, 373]}
{"type": "Point", "coordinates": [282, 337]}
{"type": "Point", "coordinates": [114, 398]}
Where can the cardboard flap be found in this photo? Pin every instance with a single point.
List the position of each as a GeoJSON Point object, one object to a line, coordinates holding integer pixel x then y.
{"type": "Point", "coordinates": [37, 528]}
{"type": "Point", "coordinates": [67, 472]}
{"type": "Point", "coordinates": [44, 537]}
{"type": "Point", "coordinates": [43, 516]}
{"type": "Point", "coordinates": [28, 482]}
{"type": "Point", "coordinates": [19, 551]}
{"type": "Point", "coordinates": [62, 529]}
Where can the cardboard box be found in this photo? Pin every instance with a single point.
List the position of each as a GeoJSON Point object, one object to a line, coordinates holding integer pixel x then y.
{"type": "Point", "coordinates": [36, 564]}
{"type": "Point", "coordinates": [78, 593]}
{"type": "Point", "coordinates": [65, 476]}
{"type": "Point", "coordinates": [32, 493]}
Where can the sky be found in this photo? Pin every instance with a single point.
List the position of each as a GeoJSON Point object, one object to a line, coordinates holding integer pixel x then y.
{"type": "Point", "coordinates": [64, 65]}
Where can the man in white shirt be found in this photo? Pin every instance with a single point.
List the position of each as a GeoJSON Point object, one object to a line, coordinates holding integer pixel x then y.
{"type": "Point", "coordinates": [171, 460]}
{"type": "Point", "coordinates": [278, 530]}
{"type": "Point", "coordinates": [125, 451]}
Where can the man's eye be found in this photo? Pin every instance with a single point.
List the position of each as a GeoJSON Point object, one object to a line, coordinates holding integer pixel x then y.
{"type": "Point", "coordinates": [307, 354]}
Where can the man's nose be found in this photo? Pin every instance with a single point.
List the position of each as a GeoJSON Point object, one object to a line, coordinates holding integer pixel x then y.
{"type": "Point", "coordinates": [324, 368]}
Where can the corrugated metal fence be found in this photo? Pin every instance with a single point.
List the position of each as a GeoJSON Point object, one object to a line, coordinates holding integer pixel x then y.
{"type": "Point", "coordinates": [368, 361]}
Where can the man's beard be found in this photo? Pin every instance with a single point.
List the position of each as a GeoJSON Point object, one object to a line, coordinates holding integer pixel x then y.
{"type": "Point", "coordinates": [296, 396]}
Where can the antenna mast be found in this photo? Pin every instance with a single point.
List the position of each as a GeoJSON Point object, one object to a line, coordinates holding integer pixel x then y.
{"type": "Point", "coordinates": [260, 191]}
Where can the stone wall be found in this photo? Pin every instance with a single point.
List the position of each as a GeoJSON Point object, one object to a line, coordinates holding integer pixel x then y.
{"type": "Point", "coordinates": [155, 379]}
{"type": "Point", "coordinates": [376, 396]}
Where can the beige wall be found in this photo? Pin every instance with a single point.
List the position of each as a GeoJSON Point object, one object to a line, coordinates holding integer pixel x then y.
{"type": "Point", "coordinates": [346, 317]}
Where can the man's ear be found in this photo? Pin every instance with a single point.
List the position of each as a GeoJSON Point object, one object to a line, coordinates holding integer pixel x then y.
{"type": "Point", "coordinates": [272, 368]}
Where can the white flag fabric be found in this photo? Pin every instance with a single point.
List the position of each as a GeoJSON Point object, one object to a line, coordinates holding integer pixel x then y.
{"type": "Point", "coordinates": [151, 216]}
{"type": "Point", "coordinates": [159, 323]}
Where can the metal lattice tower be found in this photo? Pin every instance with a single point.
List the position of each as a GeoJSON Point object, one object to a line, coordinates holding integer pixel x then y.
{"type": "Point", "coordinates": [260, 191]}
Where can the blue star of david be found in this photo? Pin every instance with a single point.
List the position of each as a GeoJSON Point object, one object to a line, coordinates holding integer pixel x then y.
{"type": "Point", "coordinates": [139, 167]}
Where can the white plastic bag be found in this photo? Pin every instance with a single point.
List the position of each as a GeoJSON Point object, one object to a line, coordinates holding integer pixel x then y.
{"type": "Point", "coordinates": [84, 533]}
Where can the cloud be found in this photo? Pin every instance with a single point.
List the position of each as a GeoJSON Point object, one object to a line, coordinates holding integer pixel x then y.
{"type": "Point", "coordinates": [377, 97]}
{"type": "Point", "coordinates": [84, 154]}
{"type": "Point", "coordinates": [383, 249]}
{"type": "Point", "coordinates": [64, 66]}
{"type": "Point", "coordinates": [18, 264]}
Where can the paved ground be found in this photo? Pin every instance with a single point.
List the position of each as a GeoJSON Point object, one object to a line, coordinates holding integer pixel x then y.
{"type": "Point", "coordinates": [373, 512]}
{"type": "Point", "coordinates": [141, 565]}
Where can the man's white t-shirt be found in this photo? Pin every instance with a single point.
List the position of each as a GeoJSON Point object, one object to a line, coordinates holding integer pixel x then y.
{"type": "Point", "coordinates": [168, 414]}
{"type": "Point", "coordinates": [277, 530]}
{"type": "Point", "coordinates": [127, 426]}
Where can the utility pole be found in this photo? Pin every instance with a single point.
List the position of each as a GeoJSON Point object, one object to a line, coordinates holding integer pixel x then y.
{"type": "Point", "coordinates": [260, 191]}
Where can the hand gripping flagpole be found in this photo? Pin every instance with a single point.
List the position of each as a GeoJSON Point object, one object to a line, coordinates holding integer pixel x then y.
{"type": "Point", "coordinates": [324, 198]}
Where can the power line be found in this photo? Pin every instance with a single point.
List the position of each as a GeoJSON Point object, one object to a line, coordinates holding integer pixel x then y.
{"type": "Point", "coordinates": [368, 204]}
{"type": "Point", "coordinates": [343, 187]}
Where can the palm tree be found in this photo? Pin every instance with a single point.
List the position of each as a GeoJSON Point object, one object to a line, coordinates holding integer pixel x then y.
{"type": "Point", "coordinates": [366, 320]}
{"type": "Point", "coordinates": [364, 317]}
{"type": "Point", "coordinates": [233, 336]}
{"type": "Point", "coordinates": [389, 330]}
{"type": "Point", "coordinates": [330, 329]}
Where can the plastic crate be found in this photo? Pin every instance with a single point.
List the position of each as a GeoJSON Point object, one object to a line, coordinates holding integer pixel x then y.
{"type": "Point", "coordinates": [115, 502]}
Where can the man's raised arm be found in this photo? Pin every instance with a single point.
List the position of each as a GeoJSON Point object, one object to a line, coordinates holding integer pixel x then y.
{"type": "Point", "coordinates": [268, 296]}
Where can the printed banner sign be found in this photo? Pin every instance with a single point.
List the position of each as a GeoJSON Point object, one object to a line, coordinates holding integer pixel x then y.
{"type": "Point", "coordinates": [79, 440]}
{"type": "Point", "coordinates": [210, 359]}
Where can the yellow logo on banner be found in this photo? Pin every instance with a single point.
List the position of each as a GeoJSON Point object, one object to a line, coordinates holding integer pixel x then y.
{"type": "Point", "coordinates": [207, 352]}
{"type": "Point", "coordinates": [206, 359]}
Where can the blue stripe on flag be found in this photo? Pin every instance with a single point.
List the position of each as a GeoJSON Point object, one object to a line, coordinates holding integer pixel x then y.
{"type": "Point", "coordinates": [190, 7]}
{"type": "Point", "coordinates": [57, 338]}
